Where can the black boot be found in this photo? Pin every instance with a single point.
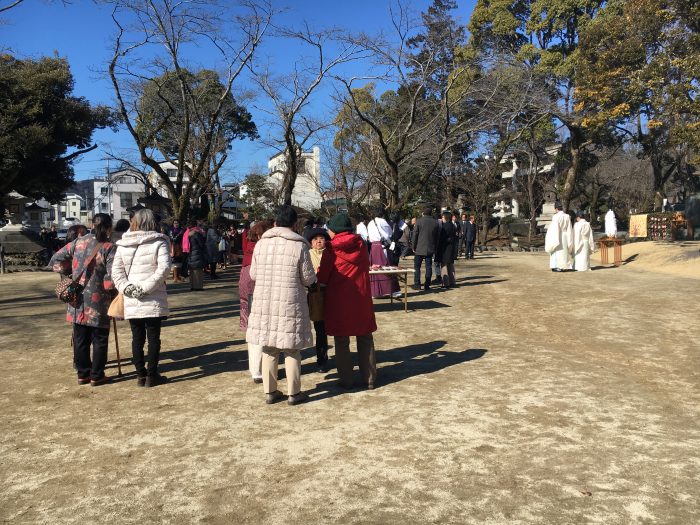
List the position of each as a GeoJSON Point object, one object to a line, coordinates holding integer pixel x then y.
{"type": "Point", "coordinates": [155, 380]}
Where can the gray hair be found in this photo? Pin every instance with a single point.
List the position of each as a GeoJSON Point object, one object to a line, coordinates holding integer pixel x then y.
{"type": "Point", "coordinates": [144, 220]}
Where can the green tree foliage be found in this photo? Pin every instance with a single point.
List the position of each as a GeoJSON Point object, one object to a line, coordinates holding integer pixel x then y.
{"type": "Point", "coordinates": [438, 45]}
{"type": "Point", "coordinates": [163, 114]}
{"type": "Point", "coordinates": [260, 196]}
{"type": "Point", "coordinates": [544, 34]}
{"type": "Point", "coordinates": [638, 70]}
{"type": "Point", "coordinates": [189, 125]}
{"type": "Point", "coordinates": [43, 126]}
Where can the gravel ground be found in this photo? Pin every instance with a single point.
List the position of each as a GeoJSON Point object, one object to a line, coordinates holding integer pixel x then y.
{"type": "Point", "coordinates": [522, 396]}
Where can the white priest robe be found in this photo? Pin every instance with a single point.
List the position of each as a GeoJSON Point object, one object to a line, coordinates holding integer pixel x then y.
{"type": "Point", "coordinates": [559, 242]}
{"type": "Point", "coordinates": [610, 224]}
{"type": "Point", "coordinates": [584, 245]}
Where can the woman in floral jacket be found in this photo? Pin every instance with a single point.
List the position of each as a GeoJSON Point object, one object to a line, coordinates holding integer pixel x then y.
{"type": "Point", "coordinates": [90, 319]}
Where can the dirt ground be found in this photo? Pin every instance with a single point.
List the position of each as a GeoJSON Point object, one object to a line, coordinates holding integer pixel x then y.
{"type": "Point", "coordinates": [522, 396]}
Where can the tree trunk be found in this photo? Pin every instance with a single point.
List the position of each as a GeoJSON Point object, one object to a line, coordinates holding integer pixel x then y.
{"type": "Point", "coordinates": [180, 213]}
{"type": "Point", "coordinates": [394, 197]}
{"type": "Point", "coordinates": [595, 196]}
{"type": "Point", "coordinates": [484, 221]}
{"type": "Point", "coordinates": [290, 180]}
{"type": "Point", "coordinates": [575, 146]}
{"type": "Point", "coordinates": [533, 208]}
{"type": "Point", "coordinates": [657, 170]}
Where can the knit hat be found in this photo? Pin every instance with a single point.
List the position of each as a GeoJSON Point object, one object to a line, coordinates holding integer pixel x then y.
{"type": "Point", "coordinates": [310, 233]}
{"type": "Point", "coordinates": [340, 223]}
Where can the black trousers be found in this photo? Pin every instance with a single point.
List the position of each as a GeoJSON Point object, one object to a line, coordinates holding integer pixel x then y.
{"type": "Point", "coordinates": [470, 249]}
{"type": "Point", "coordinates": [212, 270]}
{"type": "Point", "coordinates": [140, 330]}
{"type": "Point", "coordinates": [417, 263]}
{"type": "Point", "coordinates": [83, 337]}
{"type": "Point", "coordinates": [183, 271]}
{"type": "Point", "coordinates": [321, 343]}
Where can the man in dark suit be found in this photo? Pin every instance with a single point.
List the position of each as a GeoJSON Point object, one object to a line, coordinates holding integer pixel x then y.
{"type": "Point", "coordinates": [468, 236]}
{"type": "Point", "coordinates": [424, 242]}
{"type": "Point", "coordinates": [463, 235]}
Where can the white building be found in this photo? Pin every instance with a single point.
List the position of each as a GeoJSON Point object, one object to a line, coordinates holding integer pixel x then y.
{"type": "Point", "coordinates": [503, 209]}
{"type": "Point", "coordinates": [117, 192]}
{"type": "Point", "coordinates": [71, 210]}
{"type": "Point", "coordinates": [171, 171]}
{"type": "Point", "coordinates": [307, 190]}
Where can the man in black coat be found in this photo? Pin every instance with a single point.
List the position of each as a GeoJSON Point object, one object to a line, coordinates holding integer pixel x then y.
{"type": "Point", "coordinates": [468, 236]}
{"type": "Point", "coordinates": [424, 242]}
{"type": "Point", "coordinates": [445, 253]}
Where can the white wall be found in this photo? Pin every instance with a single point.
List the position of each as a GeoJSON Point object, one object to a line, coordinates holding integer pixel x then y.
{"type": "Point", "coordinates": [307, 193]}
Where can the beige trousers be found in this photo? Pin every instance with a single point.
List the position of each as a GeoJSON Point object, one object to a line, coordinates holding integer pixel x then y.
{"type": "Point", "coordinates": [292, 368]}
{"type": "Point", "coordinates": [255, 360]}
{"type": "Point", "coordinates": [366, 357]}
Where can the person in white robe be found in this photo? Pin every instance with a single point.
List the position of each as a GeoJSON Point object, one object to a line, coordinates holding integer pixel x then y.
{"type": "Point", "coordinates": [559, 241]}
{"type": "Point", "coordinates": [584, 244]}
{"type": "Point", "coordinates": [361, 230]}
{"type": "Point", "coordinates": [610, 224]}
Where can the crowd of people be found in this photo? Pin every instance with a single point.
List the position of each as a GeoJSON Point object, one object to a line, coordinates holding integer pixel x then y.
{"type": "Point", "coordinates": [280, 270]}
{"type": "Point", "coordinates": [437, 241]}
{"type": "Point", "coordinates": [293, 277]}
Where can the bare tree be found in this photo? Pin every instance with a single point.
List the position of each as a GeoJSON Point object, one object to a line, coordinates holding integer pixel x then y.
{"type": "Point", "coordinates": [150, 51]}
{"type": "Point", "coordinates": [415, 127]}
{"type": "Point", "coordinates": [9, 6]}
{"type": "Point", "coordinates": [290, 95]}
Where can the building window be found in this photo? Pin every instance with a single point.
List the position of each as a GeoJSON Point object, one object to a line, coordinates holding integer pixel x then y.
{"type": "Point", "coordinates": [104, 190]}
{"type": "Point", "coordinates": [103, 206]}
{"type": "Point", "coordinates": [172, 174]}
{"type": "Point", "coordinates": [126, 199]}
{"type": "Point", "coordinates": [301, 166]}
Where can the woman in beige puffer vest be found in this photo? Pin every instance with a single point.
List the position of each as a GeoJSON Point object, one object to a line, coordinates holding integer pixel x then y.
{"type": "Point", "coordinates": [281, 269]}
{"type": "Point", "coordinates": [279, 315]}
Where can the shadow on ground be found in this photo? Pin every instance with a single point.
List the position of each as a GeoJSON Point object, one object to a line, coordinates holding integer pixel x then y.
{"type": "Point", "coordinates": [387, 306]}
{"type": "Point", "coordinates": [209, 359]}
{"type": "Point", "coordinates": [406, 362]}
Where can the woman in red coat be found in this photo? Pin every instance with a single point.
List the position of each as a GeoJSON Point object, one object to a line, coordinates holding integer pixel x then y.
{"type": "Point", "coordinates": [349, 309]}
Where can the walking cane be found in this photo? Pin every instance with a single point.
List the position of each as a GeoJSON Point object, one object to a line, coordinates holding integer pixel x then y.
{"type": "Point", "coordinates": [116, 344]}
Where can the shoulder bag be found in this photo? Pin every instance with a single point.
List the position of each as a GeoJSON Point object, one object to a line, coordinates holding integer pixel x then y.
{"type": "Point", "coordinates": [385, 243]}
{"type": "Point", "coordinates": [70, 290]}
{"type": "Point", "coordinates": [116, 307]}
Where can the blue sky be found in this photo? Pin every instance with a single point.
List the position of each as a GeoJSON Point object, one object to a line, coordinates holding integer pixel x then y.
{"type": "Point", "coordinates": [81, 31]}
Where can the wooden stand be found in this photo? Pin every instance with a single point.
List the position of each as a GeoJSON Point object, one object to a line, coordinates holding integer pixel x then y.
{"type": "Point", "coordinates": [402, 275]}
{"type": "Point", "coordinates": [604, 244]}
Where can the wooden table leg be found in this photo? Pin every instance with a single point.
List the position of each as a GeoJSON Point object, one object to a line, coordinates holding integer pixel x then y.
{"type": "Point", "coordinates": [618, 254]}
{"type": "Point", "coordinates": [604, 253]}
{"type": "Point", "coordinates": [405, 293]}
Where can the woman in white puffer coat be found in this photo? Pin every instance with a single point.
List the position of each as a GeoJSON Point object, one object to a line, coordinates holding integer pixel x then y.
{"type": "Point", "coordinates": [141, 265]}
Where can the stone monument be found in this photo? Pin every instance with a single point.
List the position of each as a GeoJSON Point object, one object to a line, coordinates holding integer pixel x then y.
{"type": "Point", "coordinates": [21, 246]}
{"type": "Point", "coordinates": [548, 210]}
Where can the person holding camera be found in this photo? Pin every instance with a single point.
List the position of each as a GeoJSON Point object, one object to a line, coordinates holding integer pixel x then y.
{"type": "Point", "coordinates": [379, 232]}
